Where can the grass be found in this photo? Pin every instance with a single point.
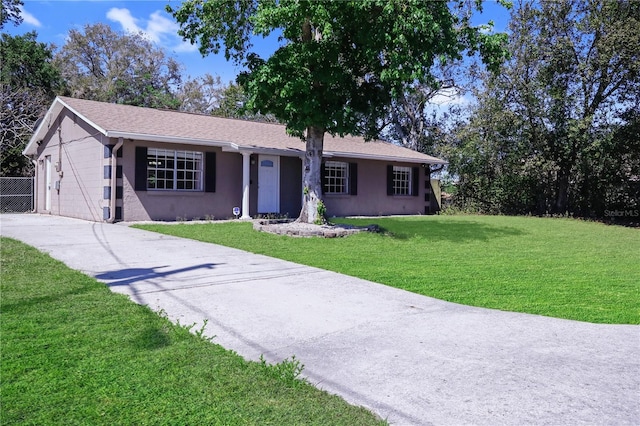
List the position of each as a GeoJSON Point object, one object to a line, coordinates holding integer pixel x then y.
{"type": "Point", "coordinates": [561, 268]}
{"type": "Point", "coordinates": [75, 353]}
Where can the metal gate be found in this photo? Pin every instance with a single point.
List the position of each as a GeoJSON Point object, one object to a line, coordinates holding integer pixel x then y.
{"type": "Point", "coordinates": [16, 194]}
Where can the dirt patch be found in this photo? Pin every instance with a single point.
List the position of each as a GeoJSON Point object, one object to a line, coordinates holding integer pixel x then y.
{"type": "Point", "coordinates": [298, 229]}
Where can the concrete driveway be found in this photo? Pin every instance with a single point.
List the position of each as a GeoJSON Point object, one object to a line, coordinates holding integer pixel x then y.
{"type": "Point", "coordinates": [411, 359]}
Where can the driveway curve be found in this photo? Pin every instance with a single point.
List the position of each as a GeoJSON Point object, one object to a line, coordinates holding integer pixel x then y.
{"type": "Point", "coordinates": [411, 359]}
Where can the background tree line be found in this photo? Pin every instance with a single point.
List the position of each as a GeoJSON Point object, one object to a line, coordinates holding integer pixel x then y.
{"type": "Point", "coordinates": [556, 131]}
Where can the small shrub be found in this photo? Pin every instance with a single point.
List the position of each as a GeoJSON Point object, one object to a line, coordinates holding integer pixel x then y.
{"type": "Point", "coordinates": [288, 370]}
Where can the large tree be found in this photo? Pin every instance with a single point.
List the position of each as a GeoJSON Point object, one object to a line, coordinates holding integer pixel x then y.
{"type": "Point", "coordinates": [419, 119]}
{"type": "Point", "coordinates": [201, 94]}
{"type": "Point", "coordinates": [28, 83]}
{"type": "Point", "coordinates": [339, 64]}
{"type": "Point", "coordinates": [101, 64]}
{"type": "Point", "coordinates": [208, 95]}
{"type": "Point", "coordinates": [548, 129]}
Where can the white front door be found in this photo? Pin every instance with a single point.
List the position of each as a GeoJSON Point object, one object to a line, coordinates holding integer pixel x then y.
{"type": "Point", "coordinates": [268, 184]}
{"type": "Point", "coordinates": [47, 183]}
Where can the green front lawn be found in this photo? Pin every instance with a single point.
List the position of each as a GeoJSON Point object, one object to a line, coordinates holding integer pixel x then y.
{"type": "Point", "coordinates": [74, 353]}
{"type": "Point", "coordinates": [556, 267]}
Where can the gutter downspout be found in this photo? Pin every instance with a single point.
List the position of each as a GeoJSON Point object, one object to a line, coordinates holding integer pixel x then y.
{"type": "Point", "coordinates": [114, 180]}
{"type": "Point", "coordinates": [35, 184]}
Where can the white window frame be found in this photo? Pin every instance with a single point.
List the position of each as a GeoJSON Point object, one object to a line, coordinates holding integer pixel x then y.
{"type": "Point", "coordinates": [175, 178]}
{"type": "Point", "coordinates": [402, 180]}
{"type": "Point", "coordinates": [336, 177]}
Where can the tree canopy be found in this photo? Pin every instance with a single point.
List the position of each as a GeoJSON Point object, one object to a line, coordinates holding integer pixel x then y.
{"type": "Point", "coordinates": [28, 81]}
{"type": "Point", "coordinates": [339, 64]}
{"type": "Point", "coordinates": [553, 131]}
{"type": "Point", "coordinates": [101, 64]}
{"type": "Point", "coordinates": [10, 11]}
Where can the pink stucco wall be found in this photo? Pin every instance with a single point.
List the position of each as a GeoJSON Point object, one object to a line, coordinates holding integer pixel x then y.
{"type": "Point", "coordinates": [372, 198]}
{"type": "Point", "coordinates": [176, 205]}
{"type": "Point", "coordinates": [80, 169]}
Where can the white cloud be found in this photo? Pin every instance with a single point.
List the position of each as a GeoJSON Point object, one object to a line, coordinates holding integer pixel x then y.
{"type": "Point", "coordinates": [158, 28]}
{"type": "Point", "coordinates": [158, 25]}
{"type": "Point", "coordinates": [123, 16]}
{"type": "Point", "coordinates": [29, 18]}
{"type": "Point", "coordinates": [185, 47]}
{"type": "Point", "coordinates": [449, 97]}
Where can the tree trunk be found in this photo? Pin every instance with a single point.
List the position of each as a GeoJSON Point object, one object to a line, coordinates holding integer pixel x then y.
{"type": "Point", "coordinates": [312, 206]}
{"type": "Point", "coordinates": [562, 196]}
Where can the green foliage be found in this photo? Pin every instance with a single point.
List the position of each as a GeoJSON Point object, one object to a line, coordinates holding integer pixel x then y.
{"type": "Point", "coordinates": [201, 94]}
{"type": "Point", "coordinates": [233, 101]}
{"type": "Point", "coordinates": [73, 350]}
{"type": "Point", "coordinates": [322, 213]}
{"type": "Point", "coordinates": [27, 64]}
{"type": "Point", "coordinates": [339, 64]}
{"type": "Point", "coordinates": [344, 62]}
{"type": "Point", "coordinates": [412, 120]}
{"type": "Point", "coordinates": [10, 12]}
{"type": "Point", "coordinates": [288, 370]}
{"type": "Point", "coordinates": [553, 132]}
{"type": "Point", "coordinates": [28, 83]}
{"type": "Point", "coordinates": [562, 268]}
{"type": "Point", "coordinates": [101, 64]}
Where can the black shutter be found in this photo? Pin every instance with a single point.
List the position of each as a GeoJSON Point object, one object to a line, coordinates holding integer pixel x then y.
{"type": "Point", "coordinates": [141, 168]}
{"type": "Point", "coordinates": [415, 177]}
{"type": "Point", "coordinates": [323, 178]}
{"type": "Point", "coordinates": [210, 172]}
{"type": "Point", "coordinates": [353, 178]}
{"type": "Point", "coordinates": [389, 180]}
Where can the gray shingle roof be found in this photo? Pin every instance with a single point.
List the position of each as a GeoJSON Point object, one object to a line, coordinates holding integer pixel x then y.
{"type": "Point", "coordinates": [115, 120]}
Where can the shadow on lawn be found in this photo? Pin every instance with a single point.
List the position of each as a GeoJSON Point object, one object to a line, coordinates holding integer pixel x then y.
{"type": "Point", "coordinates": [445, 230]}
{"type": "Point", "coordinates": [52, 296]}
{"type": "Point", "coordinates": [151, 338]}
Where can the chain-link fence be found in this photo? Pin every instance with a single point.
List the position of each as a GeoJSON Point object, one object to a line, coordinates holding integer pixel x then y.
{"type": "Point", "coordinates": [16, 194]}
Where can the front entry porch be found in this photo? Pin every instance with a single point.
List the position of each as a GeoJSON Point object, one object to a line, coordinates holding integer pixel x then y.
{"type": "Point", "coordinates": [271, 184]}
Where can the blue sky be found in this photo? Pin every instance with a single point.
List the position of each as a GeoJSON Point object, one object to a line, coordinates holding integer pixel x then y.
{"type": "Point", "coordinates": [53, 19]}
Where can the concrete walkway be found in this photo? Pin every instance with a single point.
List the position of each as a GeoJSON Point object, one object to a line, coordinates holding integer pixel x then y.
{"type": "Point", "coordinates": [411, 359]}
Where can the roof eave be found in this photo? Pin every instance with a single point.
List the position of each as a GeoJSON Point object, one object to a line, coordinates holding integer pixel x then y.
{"type": "Point", "coordinates": [168, 139]}
{"type": "Point", "coordinates": [51, 115]}
{"type": "Point", "coordinates": [426, 160]}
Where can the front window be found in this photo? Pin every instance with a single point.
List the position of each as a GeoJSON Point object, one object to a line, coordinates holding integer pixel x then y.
{"type": "Point", "coordinates": [174, 170]}
{"type": "Point", "coordinates": [401, 180]}
{"type": "Point", "coordinates": [336, 175]}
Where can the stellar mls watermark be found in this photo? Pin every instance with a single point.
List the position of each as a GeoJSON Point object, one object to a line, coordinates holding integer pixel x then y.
{"type": "Point", "coordinates": [622, 213]}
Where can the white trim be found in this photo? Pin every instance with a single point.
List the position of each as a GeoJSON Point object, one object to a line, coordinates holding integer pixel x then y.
{"type": "Point", "coordinates": [166, 139]}
{"type": "Point", "coordinates": [343, 166]}
{"type": "Point", "coordinates": [246, 183]}
{"type": "Point", "coordinates": [431, 160]}
{"type": "Point", "coordinates": [85, 119]}
{"type": "Point", "coordinates": [47, 183]}
{"type": "Point", "coordinates": [403, 171]}
{"type": "Point", "coordinates": [174, 182]}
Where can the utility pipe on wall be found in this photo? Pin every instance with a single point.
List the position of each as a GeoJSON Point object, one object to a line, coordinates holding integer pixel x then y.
{"type": "Point", "coordinates": [35, 184]}
{"type": "Point", "coordinates": [114, 180]}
